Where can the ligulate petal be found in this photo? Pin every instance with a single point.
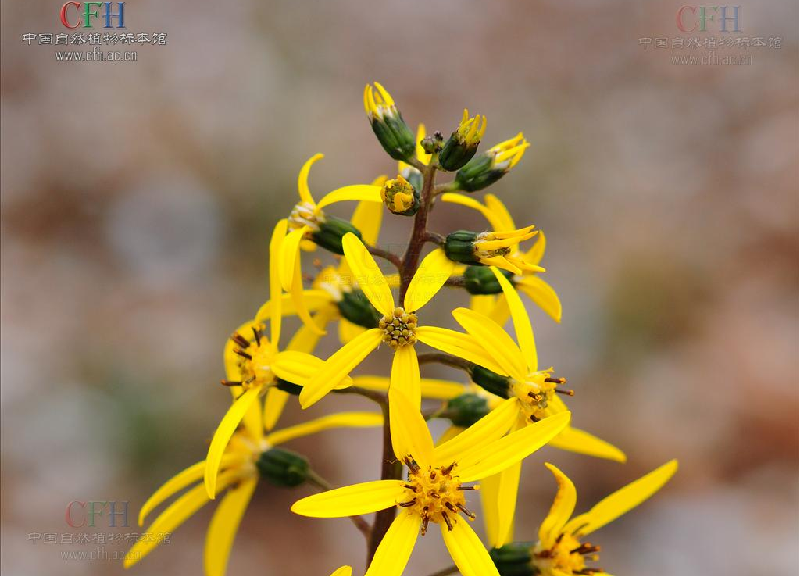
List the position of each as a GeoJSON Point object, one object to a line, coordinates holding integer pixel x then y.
{"type": "Point", "coordinates": [338, 366]}
{"type": "Point", "coordinates": [222, 436]}
{"type": "Point", "coordinates": [314, 300]}
{"type": "Point", "coordinates": [421, 155]}
{"type": "Point", "coordinates": [502, 262]}
{"type": "Point", "coordinates": [367, 274]}
{"type": "Point", "coordinates": [273, 407]}
{"type": "Point", "coordinates": [395, 549]}
{"type": "Point", "coordinates": [409, 433]}
{"type": "Point", "coordinates": [451, 197]}
{"type": "Point", "coordinates": [501, 213]}
{"type": "Point", "coordinates": [483, 304]}
{"type": "Point", "coordinates": [485, 431]}
{"type": "Point", "coordinates": [582, 442]}
{"type": "Point", "coordinates": [348, 331]}
{"type": "Point", "coordinates": [171, 518]}
{"type": "Point", "coordinates": [342, 420]}
{"type": "Point", "coordinates": [433, 272]}
{"type": "Point", "coordinates": [362, 192]}
{"type": "Point", "coordinates": [289, 255]}
{"type": "Point", "coordinates": [299, 303]}
{"type": "Point", "coordinates": [343, 571]}
{"type": "Point", "coordinates": [302, 179]}
{"type": "Point", "coordinates": [223, 527]}
{"type": "Point", "coordinates": [622, 500]}
{"type": "Point", "coordinates": [494, 340]}
{"type": "Point", "coordinates": [367, 218]}
{"type": "Point", "coordinates": [178, 482]}
{"type": "Point", "coordinates": [275, 291]}
{"type": "Point", "coordinates": [458, 344]}
{"type": "Point", "coordinates": [430, 387]}
{"type": "Point", "coordinates": [405, 375]}
{"type": "Point", "coordinates": [252, 419]}
{"type": "Point", "coordinates": [363, 498]}
{"type": "Point", "coordinates": [561, 510]}
{"type": "Point", "coordinates": [489, 501]}
{"type": "Point", "coordinates": [542, 294]}
{"type": "Point", "coordinates": [494, 457]}
{"type": "Point", "coordinates": [521, 322]}
{"type": "Point", "coordinates": [467, 551]}
{"type": "Point", "coordinates": [536, 251]}
{"type": "Point", "coordinates": [449, 434]}
{"type": "Point", "coordinates": [506, 502]}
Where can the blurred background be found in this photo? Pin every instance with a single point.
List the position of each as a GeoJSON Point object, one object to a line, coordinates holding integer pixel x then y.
{"type": "Point", "coordinates": [137, 204]}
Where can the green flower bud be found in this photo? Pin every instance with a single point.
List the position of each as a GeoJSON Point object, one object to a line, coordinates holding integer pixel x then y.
{"type": "Point", "coordinates": [331, 231]}
{"type": "Point", "coordinates": [462, 145]}
{"type": "Point", "coordinates": [515, 559]}
{"type": "Point", "coordinates": [355, 307]}
{"type": "Point", "coordinates": [391, 130]}
{"type": "Point", "coordinates": [491, 381]}
{"type": "Point", "coordinates": [467, 409]}
{"type": "Point", "coordinates": [283, 467]}
{"type": "Point", "coordinates": [480, 280]}
{"type": "Point", "coordinates": [400, 197]}
{"type": "Point", "coordinates": [459, 247]}
{"type": "Point", "coordinates": [488, 167]}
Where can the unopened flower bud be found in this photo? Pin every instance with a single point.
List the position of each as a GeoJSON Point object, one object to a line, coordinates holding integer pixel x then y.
{"type": "Point", "coordinates": [488, 167]}
{"type": "Point", "coordinates": [331, 231]}
{"type": "Point", "coordinates": [491, 381]}
{"type": "Point", "coordinates": [391, 130]}
{"type": "Point", "coordinates": [283, 467]}
{"type": "Point", "coordinates": [515, 559]}
{"type": "Point", "coordinates": [466, 409]}
{"type": "Point", "coordinates": [480, 280]}
{"type": "Point", "coordinates": [400, 197]}
{"type": "Point", "coordinates": [462, 145]}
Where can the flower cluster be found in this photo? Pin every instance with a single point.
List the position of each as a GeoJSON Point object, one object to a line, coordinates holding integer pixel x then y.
{"type": "Point", "coordinates": [506, 407]}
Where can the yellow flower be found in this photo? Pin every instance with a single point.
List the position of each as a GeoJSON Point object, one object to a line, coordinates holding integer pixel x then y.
{"type": "Point", "coordinates": [559, 551]}
{"type": "Point", "coordinates": [434, 488]}
{"type": "Point", "coordinates": [527, 283]}
{"type": "Point", "coordinates": [333, 284]}
{"type": "Point", "coordinates": [534, 394]}
{"type": "Point", "coordinates": [238, 473]}
{"type": "Point", "coordinates": [398, 327]}
{"type": "Point", "coordinates": [309, 225]}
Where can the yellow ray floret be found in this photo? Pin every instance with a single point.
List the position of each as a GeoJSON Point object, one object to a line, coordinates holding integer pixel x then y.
{"type": "Point", "coordinates": [559, 551]}
{"type": "Point", "coordinates": [471, 129]}
{"type": "Point", "coordinates": [435, 489]}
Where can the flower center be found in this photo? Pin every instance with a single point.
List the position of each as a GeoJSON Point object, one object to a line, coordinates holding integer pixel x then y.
{"type": "Point", "coordinates": [399, 329]}
{"type": "Point", "coordinates": [256, 359]}
{"type": "Point", "coordinates": [435, 494]}
{"type": "Point", "coordinates": [567, 555]}
{"type": "Point", "coordinates": [536, 392]}
{"type": "Point", "coordinates": [305, 214]}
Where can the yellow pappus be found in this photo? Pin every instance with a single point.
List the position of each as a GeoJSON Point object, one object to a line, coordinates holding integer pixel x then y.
{"type": "Point", "coordinates": [308, 226]}
{"type": "Point", "coordinates": [398, 327]}
{"type": "Point", "coordinates": [560, 550]}
{"type": "Point", "coordinates": [245, 461]}
{"type": "Point", "coordinates": [434, 488]}
{"type": "Point", "coordinates": [534, 393]}
{"type": "Point", "coordinates": [528, 283]}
